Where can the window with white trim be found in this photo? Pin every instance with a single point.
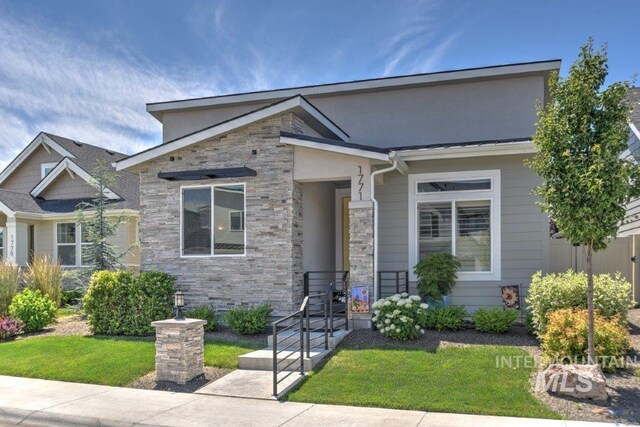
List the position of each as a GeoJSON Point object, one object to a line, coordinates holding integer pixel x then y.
{"type": "Point", "coordinates": [213, 220]}
{"type": "Point", "coordinates": [45, 168]}
{"type": "Point", "coordinates": [457, 213]}
{"type": "Point", "coordinates": [68, 246]}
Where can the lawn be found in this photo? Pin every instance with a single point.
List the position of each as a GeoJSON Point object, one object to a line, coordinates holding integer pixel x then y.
{"type": "Point", "coordinates": [98, 360]}
{"type": "Point", "coordinates": [453, 379]}
{"type": "Point", "coordinates": [66, 312]}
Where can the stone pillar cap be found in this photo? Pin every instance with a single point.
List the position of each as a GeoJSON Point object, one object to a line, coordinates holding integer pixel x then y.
{"type": "Point", "coordinates": [173, 323]}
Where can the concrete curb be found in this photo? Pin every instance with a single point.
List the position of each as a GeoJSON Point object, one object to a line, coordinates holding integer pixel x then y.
{"type": "Point", "coordinates": [14, 416]}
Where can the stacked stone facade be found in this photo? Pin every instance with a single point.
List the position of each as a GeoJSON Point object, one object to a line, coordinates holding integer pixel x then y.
{"type": "Point", "coordinates": [361, 252]}
{"type": "Point", "coordinates": [179, 349]}
{"type": "Point", "coordinates": [271, 271]}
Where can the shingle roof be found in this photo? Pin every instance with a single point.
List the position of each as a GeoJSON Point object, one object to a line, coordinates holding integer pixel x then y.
{"type": "Point", "coordinates": [127, 186]}
{"type": "Point", "coordinates": [634, 98]}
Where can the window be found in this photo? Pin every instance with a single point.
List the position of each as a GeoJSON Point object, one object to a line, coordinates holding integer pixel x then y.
{"type": "Point", "coordinates": [45, 168]}
{"type": "Point", "coordinates": [213, 220]}
{"type": "Point", "coordinates": [68, 247]}
{"type": "Point", "coordinates": [457, 213]}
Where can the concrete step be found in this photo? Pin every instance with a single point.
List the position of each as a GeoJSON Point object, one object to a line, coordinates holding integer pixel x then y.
{"type": "Point", "coordinates": [262, 360]}
{"type": "Point", "coordinates": [316, 339]}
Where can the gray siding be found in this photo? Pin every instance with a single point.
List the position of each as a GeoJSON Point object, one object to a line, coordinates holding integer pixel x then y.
{"type": "Point", "coordinates": [467, 111]}
{"type": "Point", "coordinates": [525, 245]}
{"type": "Point", "coordinates": [28, 174]}
{"type": "Point", "coordinates": [65, 187]}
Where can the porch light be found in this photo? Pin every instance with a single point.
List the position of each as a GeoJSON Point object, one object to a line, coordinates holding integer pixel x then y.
{"type": "Point", "coordinates": [178, 301]}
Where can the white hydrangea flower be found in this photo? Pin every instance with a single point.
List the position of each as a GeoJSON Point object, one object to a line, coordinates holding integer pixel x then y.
{"type": "Point", "coordinates": [404, 295]}
{"type": "Point", "coordinates": [396, 311]}
{"type": "Point", "coordinates": [395, 298]}
{"type": "Point", "coordinates": [400, 303]}
{"type": "Point", "coordinates": [422, 331]}
{"type": "Point", "coordinates": [374, 318]}
{"type": "Point", "coordinates": [424, 306]}
{"type": "Point", "coordinates": [387, 303]}
{"type": "Point", "coordinates": [415, 298]}
{"type": "Point", "coordinates": [393, 327]}
{"type": "Point", "coordinates": [417, 327]}
{"type": "Point", "coordinates": [387, 321]}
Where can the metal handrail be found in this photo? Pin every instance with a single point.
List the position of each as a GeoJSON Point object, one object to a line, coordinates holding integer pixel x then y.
{"type": "Point", "coordinates": [301, 314]}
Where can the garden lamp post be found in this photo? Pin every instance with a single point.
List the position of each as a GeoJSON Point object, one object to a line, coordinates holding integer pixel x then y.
{"type": "Point", "coordinates": [178, 298]}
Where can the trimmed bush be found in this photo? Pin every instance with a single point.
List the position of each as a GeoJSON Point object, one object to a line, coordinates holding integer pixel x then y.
{"type": "Point", "coordinates": [447, 317]}
{"type": "Point", "coordinates": [45, 274]}
{"type": "Point", "coordinates": [206, 312]}
{"type": "Point", "coordinates": [399, 317]}
{"type": "Point", "coordinates": [528, 324]}
{"type": "Point", "coordinates": [74, 286]}
{"type": "Point", "coordinates": [565, 338]}
{"type": "Point", "coordinates": [9, 327]}
{"type": "Point", "coordinates": [612, 295]}
{"type": "Point", "coordinates": [118, 303]}
{"type": "Point", "coordinates": [10, 277]}
{"type": "Point", "coordinates": [35, 310]}
{"type": "Point", "coordinates": [437, 274]}
{"type": "Point", "coordinates": [249, 320]}
{"type": "Point", "coordinates": [495, 320]}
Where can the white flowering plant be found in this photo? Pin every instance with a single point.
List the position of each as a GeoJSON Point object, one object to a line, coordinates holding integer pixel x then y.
{"type": "Point", "coordinates": [400, 316]}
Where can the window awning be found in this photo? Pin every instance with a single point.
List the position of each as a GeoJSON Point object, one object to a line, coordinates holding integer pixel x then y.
{"type": "Point", "coordinates": [197, 175]}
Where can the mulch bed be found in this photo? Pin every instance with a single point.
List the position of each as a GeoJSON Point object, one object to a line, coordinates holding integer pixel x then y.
{"type": "Point", "coordinates": [148, 382]}
{"type": "Point", "coordinates": [226, 334]}
{"type": "Point", "coordinates": [72, 325]}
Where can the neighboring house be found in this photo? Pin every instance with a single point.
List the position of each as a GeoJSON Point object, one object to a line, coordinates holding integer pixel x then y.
{"type": "Point", "coordinates": [40, 192]}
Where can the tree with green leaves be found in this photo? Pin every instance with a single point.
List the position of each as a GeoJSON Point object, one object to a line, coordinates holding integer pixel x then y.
{"type": "Point", "coordinates": [97, 225]}
{"type": "Point", "coordinates": [586, 181]}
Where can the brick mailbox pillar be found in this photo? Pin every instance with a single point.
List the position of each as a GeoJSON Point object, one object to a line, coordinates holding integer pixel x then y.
{"type": "Point", "coordinates": [179, 349]}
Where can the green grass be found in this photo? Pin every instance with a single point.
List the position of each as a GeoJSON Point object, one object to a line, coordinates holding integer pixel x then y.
{"type": "Point", "coordinates": [454, 379]}
{"type": "Point", "coordinates": [66, 312]}
{"type": "Point", "coordinates": [98, 360]}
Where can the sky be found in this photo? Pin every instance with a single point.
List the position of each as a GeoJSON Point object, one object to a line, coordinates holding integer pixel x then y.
{"type": "Point", "coordinates": [85, 69]}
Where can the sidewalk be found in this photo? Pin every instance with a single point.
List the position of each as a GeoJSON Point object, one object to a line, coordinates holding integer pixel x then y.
{"type": "Point", "coordinates": [32, 402]}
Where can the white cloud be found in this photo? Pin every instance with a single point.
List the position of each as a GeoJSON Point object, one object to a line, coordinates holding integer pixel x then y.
{"type": "Point", "coordinates": [50, 82]}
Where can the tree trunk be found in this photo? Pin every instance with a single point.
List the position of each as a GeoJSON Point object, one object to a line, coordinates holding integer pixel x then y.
{"type": "Point", "coordinates": [591, 335]}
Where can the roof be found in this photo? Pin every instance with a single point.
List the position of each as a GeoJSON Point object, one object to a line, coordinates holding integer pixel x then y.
{"type": "Point", "coordinates": [298, 104]}
{"type": "Point", "coordinates": [634, 98]}
{"type": "Point", "coordinates": [495, 71]}
{"type": "Point", "coordinates": [83, 157]}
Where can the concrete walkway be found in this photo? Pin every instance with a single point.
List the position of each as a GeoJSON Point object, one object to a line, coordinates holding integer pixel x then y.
{"type": "Point", "coordinates": [32, 402]}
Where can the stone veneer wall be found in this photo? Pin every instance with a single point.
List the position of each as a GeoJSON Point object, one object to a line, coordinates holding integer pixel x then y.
{"type": "Point", "coordinates": [271, 271]}
{"type": "Point", "coordinates": [361, 252]}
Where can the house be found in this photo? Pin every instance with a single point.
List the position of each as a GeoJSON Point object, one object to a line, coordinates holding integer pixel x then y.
{"type": "Point", "coordinates": [250, 195]}
{"type": "Point", "coordinates": [40, 192]}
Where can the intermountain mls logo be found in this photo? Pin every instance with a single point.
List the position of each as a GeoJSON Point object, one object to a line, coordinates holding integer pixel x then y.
{"type": "Point", "coordinates": [562, 381]}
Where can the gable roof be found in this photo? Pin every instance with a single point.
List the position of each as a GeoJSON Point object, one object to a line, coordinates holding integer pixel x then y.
{"type": "Point", "coordinates": [495, 71]}
{"type": "Point", "coordinates": [298, 104]}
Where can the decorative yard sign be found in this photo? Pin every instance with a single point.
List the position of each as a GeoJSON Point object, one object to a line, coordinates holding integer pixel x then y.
{"type": "Point", "coordinates": [360, 299]}
{"type": "Point", "coordinates": [511, 296]}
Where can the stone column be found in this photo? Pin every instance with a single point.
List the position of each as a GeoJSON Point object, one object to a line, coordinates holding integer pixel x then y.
{"type": "Point", "coordinates": [179, 349]}
{"type": "Point", "coordinates": [361, 253]}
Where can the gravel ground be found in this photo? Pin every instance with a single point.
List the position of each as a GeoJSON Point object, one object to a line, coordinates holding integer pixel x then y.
{"type": "Point", "coordinates": [72, 325]}
{"type": "Point", "coordinates": [148, 382]}
{"type": "Point", "coordinates": [623, 388]}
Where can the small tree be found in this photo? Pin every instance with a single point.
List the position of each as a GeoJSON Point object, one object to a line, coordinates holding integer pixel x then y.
{"type": "Point", "coordinates": [437, 274]}
{"type": "Point", "coordinates": [97, 226]}
{"type": "Point", "coordinates": [580, 136]}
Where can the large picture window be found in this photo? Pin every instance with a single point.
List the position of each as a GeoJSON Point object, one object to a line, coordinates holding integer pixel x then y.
{"type": "Point", "coordinates": [213, 220]}
{"type": "Point", "coordinates": [457, 213]}
{"type": "Point", "coordinates": [70, 242]}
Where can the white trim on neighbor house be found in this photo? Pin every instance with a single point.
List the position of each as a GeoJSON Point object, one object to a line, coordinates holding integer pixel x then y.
{"type": "Point", "coordinates": [156, 109]}
{"type": "Point", "coordinates": [496, 149]}
{"type": "Point", "coordinates": [18, 215]}
{"type": "Point", "coordinates": [181, 224]}
{"type": "Point", "coordinates": [78, 244]}
{"type": "Point", "coordinates": [334, 148]}
{"type": "Point", "coordinates": [493, 196]}
{"type": "Point", "coordinates": [229, 126]}
{"type": "Point", "coordinates": [41, 139]}
{"type": "Point", "coordinates": [72, 168]}
{"type": "Point", "coordinates": [635, 130]}
{"type": "Point", "coordinates": [45, 166]}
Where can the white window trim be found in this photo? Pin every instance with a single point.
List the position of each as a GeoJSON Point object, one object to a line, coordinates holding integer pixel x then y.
{"type": "Point", "coordinates": [493, 195]}
{"type": "Point", "coordinates": [78, 244]}
{"type": "Point", "coordinates": [44, 166]}
{"type": "Point", "coordinates": [212, 187]}
{"type": "Point", "coordinates": [241, 222]}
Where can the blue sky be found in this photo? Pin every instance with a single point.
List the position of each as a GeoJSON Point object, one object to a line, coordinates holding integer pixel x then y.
{"type": "Point", "coordinates": [85, 69]}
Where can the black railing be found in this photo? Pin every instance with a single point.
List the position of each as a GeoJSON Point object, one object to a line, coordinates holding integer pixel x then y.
{"type": "Point", "coordinates": [392, 282]}
{"type": "Point", "coordinates": [295, 344]}
{"type": "Point", "coordinates": [338, 308]}
{"type": "Point", "coordinates": [317, 281]}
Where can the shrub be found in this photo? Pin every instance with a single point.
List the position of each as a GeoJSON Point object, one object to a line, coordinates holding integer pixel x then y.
{"type": "Point", "coordinates": [9, 327]}
{"type": "Point", "coordinates": [437, 275]}
{"type": "Point", "coordinates": [400, 316]}
{"type": "Point", "coordinates": [249, 320]}
{"type": "Point", "coordinates": [612, 295]}
{"type": "Point", "coordinates": [118, 303]}
{"type": "Point", "coordinates": [528, 324]}
{"type": "Point", "coordinates": [447, 317]}
{"type": "Point", "coordinates": [72, 297]}
{"type": "Point", "coordinates": [206, 312]}
{"type": "Point", "coordinates": [45, 274]}
{"type": "Point", "coordinates": [565, 338]}
{"type": "Point", "coordinates": [33, 309]}
{"type": "Point", "coordinates": [74, 286]}
{"type": "Point", "coordinates": [495, 320]}
{"type": "Point", "coordinates": [10, 277]}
